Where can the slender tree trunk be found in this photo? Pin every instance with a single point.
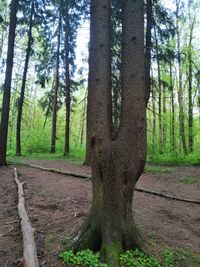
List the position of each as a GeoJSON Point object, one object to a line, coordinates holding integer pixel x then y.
{"type": "Point", "coordinates": [67, 81]}
{"type": "Point", "coordinates": [7, 84]}
{"type": "Point", "coordinates": [173, 140]}
{"type": "Point", "coordinates": [148, 48]}
{"type": "Point", "coordinates": [88, 156]}
{"type": "Point", "coordinates": [164, 128]}
{"type": "Point", "coordinates": [55, 98]}
{"type": "Point", "coordinates": [180, 87]}
{"type": "Point", "coordinates": [21, 99]}
{"type": "Point", "coordinates": [83, 119]}
{"type": "Point", "coordinates": [117, 161]}
{"type": "Point", "coordinates": [190, 101]}
{"type": "Point", "coordinates": [159, 99]}
{"type": "Point", "coordinates": [154, 121]}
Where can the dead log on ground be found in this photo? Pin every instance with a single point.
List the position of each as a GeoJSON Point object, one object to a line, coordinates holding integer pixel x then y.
{"type": "Point", "coordinates": [29, 248]}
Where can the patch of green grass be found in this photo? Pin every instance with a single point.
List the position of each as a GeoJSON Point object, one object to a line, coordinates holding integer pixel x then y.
{"type": "Point", "coordinates": [189, 180]}
{"type": "Point", "coordinates": [156, 169]}
{"type": "Point", "coordinates": [187, 258]}
{"type": "Point", "coordinates": [83, 258]}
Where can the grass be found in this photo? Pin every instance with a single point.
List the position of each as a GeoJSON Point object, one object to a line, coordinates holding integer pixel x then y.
{"type": "Point", "coordinates": [158, 169]}
{"type": "Point", "coordinates": [189, 180]}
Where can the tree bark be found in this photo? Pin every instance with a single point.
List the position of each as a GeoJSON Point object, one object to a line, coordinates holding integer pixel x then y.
{"type": "Point", "coordinates": [21, 99]}
{"type": "Point", "coordinates": [67, 81]}
{"type": "Point", "coordinates": [148, 48]}
{"type": "Point", "coordinates": [180, 87]}
{"type": "Point", "coordinates": [173, 138]}
{"type": "Point", "coordinates": [29, 247]}
{"type": "Point", "coordinates": [55, 99]}
{"type": "Point", "coordinates": [190, 79]}
{"type": "Point", "coordinates": [7, 84]}
{"type": "Point", "coordinates": [117, 160]}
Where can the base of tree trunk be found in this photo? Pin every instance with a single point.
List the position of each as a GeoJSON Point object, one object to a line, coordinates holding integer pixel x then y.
{"type": "Point", "coordinates": [98, 235]}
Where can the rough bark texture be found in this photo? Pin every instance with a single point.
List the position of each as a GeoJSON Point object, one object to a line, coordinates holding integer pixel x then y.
{"type": "Point", "coordinates": [117, 159]}
{"type": "Point", "coordinates": [7, 84]}
{"type": "Point", "coordinates": [21, 98]}
{"type": "Point", "coordinates": [55, 98]}
{"type": "Point", "coordinates": [29, 247]}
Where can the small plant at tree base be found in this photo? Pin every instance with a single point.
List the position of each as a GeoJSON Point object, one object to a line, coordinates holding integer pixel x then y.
{"type": "Point", "coordinates": [83, 258]}
{"type": "Point", "coordinates": [137, 258]}
{"type": "Point", "coordinates": [169, 258]}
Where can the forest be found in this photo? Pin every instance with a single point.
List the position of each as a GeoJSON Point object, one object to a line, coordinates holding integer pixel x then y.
{"type": "Point", "coordinates": [100, 133]}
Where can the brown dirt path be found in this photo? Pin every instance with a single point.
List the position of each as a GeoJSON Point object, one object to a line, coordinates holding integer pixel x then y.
{"type": "Point", "coordinates": [57, 204]}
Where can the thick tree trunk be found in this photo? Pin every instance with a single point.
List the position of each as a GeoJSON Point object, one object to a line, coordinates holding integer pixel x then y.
{"type": "Point", "coordinates": [7, 84]}
{"type": "Point", "coordinates": [67, 81]}
{"type": "Point", "coordinates": [117, 160]}
{"type": "Point", "coordinates": [180, 87]}
{"type": "Point", "coordinates": [21, 99]}
{"type": "Point", "coordinates": [55, 98]}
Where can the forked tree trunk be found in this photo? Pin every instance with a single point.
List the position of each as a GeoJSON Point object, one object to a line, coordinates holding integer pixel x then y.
{"type": "Point", "coordinates": [21, 99]}
{"type": "Point", "coordinates": [117, 161]}
{"type": "Point", "coordinates": [55, 98]}
{"type": "Point", "coordinates": [7, 84]}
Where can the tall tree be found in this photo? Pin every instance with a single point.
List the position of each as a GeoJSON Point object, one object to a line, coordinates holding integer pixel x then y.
{"type": "Point", "coordinates": [7, 84]}
{"type": "Point", "coordinates": [180, 86]}
{"type": "Point", "coordinates": [117, 159]}
{"type": "Point", "coordinates": [57, 81]}
{"type": "Point", "coordinates": [22, 92]}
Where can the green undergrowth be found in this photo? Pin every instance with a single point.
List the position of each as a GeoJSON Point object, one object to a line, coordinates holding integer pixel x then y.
{"type": "Point", "coordinates": [133, 258]}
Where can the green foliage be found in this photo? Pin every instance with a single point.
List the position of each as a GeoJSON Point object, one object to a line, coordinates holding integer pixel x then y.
{"type": "Point", "coordinates": [169, 258]}
{"type": "Point", "coordinates": [84, 258]}
{"type": "Point", "coordinates": [137, 258]}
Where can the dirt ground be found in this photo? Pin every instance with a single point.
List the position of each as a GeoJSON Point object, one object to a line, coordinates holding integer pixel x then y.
{"type": "Point", "coordinates": [58, 204]}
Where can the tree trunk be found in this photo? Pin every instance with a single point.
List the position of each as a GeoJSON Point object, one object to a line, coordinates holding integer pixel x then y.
{"type": "Point", "coordinates": [117, 160]}
{"type": "Point", "coordinates": [148, 48]}
{"type": "Point", "coordinates": [173, 140]}
{"type": "Point", "coordinates": [21, 99]}
{"type": "Point", "coordinates": [180, 88]}
{"type": "Point", "coordinates": [159, 98]}
{"type": "Point", "coordinates": [7, 84]}
{"type": "Point", "coordinates": [55, 99]}
{"type": "Point", "coordinates": [67, 81]}
{"type": "Point", "coordinates": [190, 101]}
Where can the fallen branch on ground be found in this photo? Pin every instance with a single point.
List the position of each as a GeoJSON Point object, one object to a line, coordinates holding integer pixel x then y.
{"type": "Point", "coordinates": [29, 248]}
{"type": "Point", "coordinates": [193, 201]}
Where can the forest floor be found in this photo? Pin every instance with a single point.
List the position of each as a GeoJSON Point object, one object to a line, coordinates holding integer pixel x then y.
{"type": "Point", "coordinates": [58, 204]}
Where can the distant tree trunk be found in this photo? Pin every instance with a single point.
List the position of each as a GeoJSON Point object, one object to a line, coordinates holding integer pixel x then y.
{"type": "Point", "coordinates": [55, 98]}
{"type": "Point", "coordinates": [21, 99]}
{"type": "Point", "coordinates": [190, 101]}
{"type": "Point", "coordinates": [164, 128]}
{"type": "Point", "coordinates": [117, 160]}
{"type": "Point", "coordinates": [159, 99]}
{"type": "Point", "coordinates": [83, 119]}
{"type": "Point", "coordinates": [148, 48]}
{"type": "Point", "coordinates": [67, 86]}
{"type": "Point", "coordinates": [180, 87]}
{"type": "Point", "coordinates": [88, 131]}
{"type": "Point", "coordinates": [7, 84]}
{"type": "Point", "coordinates": [173, 140]}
